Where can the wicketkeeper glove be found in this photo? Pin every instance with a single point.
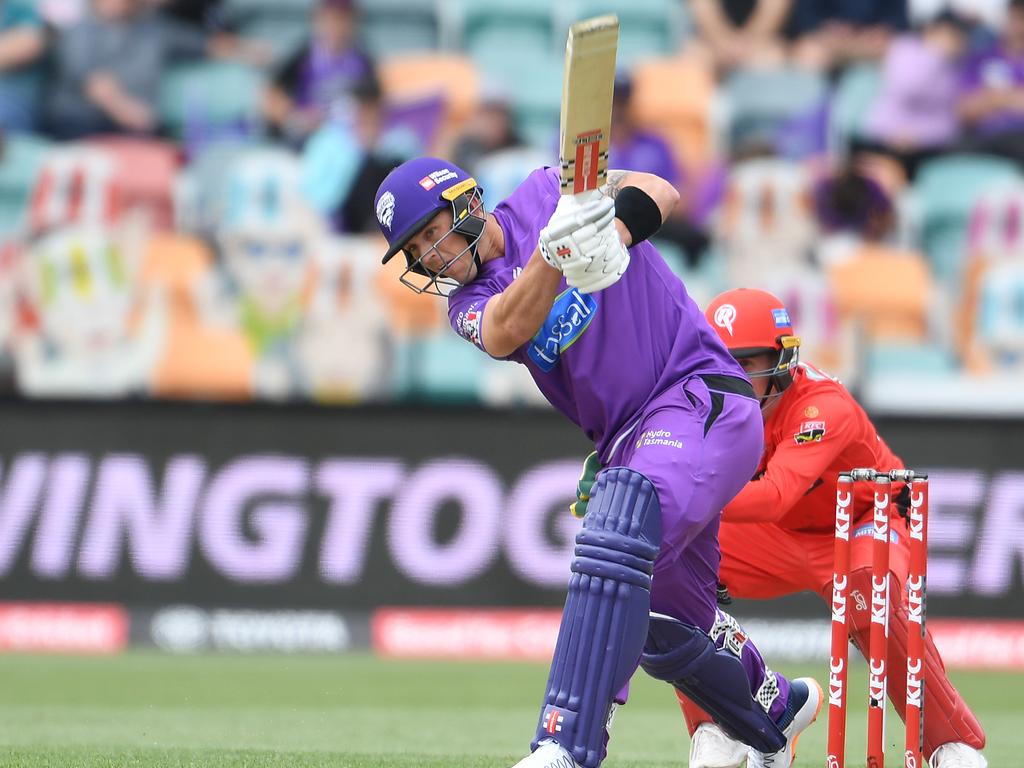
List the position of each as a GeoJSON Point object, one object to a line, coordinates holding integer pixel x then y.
{"type": "Point", "coordinates": [581, 241]}
{"type": "Point", "coordinates": [591, 466]}
{"type": "Point", "coordinates": [902, 501]}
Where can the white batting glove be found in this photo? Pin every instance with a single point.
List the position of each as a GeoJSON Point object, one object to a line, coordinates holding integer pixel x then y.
{"type": "Point", "coordinates": [585, 246]}
{"type": "Point", "coordinates": [609, 259]}
{"type": "Point", "coordinates": [572, 223]}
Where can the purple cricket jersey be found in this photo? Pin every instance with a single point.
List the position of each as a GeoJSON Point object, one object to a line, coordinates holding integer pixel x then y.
{"type": "Point", "coordinates": [598, 358]}
{"type": "Point", "coordinates": [326, 77]}
{"type": "Point", "coordinates": [994, 68]}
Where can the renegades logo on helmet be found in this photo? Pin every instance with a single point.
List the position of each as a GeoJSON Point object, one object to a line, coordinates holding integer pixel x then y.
{"type": "Point", "coordinates": [750, 321]}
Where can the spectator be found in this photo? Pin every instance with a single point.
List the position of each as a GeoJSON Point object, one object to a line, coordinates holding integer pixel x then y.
{"type": "Point", "coordinates": [915, 114]}
{"type": "Point", "coordinates": [203, 14]}
{"type": "Point", "coordinates": [59, 14]}
{"type": "Point", "coordinates": [634, 149]}
{"type": "Point", "coordinates": [491, 129]}
{"type": "Point", "coordinates": [849, 201]}
{"type": "Point", "coordinates": [109, 65]}
{"type": "Point", "coordinates": [992, 101]}
{"type": "Point", "coordinates": [320, 74]}
{"type": "Point", "coordinates": [742, 33]}
{"type": "Point", "coordinates": [356, 214]}
{"type": "Point", "coordinates": [347, 158]}
{"type": "Point", "coordinates": [989, 15]}
{"type": "Point", "coordinates": [22, 43]}
{"type": "Point", "coordinates": [833, 33]}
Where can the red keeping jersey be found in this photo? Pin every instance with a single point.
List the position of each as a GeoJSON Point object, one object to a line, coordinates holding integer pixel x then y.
{"type": "Point", "coordinates": [816, 431]}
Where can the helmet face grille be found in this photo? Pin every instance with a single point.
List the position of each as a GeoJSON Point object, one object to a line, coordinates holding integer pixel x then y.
{"type": "Point", "coordinates": [467, 220]}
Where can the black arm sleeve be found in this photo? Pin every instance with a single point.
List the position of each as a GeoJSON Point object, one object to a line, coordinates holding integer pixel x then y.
{"type": "Point", "coordinates": [638, 212]}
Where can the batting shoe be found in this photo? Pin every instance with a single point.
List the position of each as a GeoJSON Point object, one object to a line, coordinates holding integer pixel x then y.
{"type": "Point", "coordinates": [548, 754]}
{"type": "Point", "coordinates": [802, 708]}
{"type": "Point", "coordinates": [710, 747]}
{"type": "Point", "coordinates": [954, 754]}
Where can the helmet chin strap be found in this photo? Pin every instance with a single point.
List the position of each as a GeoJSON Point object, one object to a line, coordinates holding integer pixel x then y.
{"type": "Point", "coordinates": [467, 223]}
{"type": "Point", "coordinates": [778, 380]}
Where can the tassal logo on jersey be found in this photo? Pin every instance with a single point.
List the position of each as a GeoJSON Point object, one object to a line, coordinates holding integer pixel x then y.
{"type": "Point", "coordinates": [570, 316]}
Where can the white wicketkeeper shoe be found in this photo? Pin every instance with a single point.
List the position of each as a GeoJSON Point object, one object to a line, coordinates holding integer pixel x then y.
{"type": "Point", "coordinates": [548, 754]}
{"type": "Point", "coordinates": [805, 700]}
{"type": "Point", "coordinates": [710, 747]}
{"type": "Point", "coordinates": [957, 755]}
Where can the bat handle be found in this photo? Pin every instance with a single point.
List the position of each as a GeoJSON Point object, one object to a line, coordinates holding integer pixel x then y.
{"type": "Point", "coordinates": [588, 197]}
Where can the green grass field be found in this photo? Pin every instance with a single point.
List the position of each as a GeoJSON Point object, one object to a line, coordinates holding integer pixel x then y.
{"type": "Point", "coordinates": [148, 709]}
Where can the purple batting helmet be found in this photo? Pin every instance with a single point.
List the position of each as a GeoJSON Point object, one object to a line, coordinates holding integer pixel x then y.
{"type": "Point", "coordinates": [410, 196]}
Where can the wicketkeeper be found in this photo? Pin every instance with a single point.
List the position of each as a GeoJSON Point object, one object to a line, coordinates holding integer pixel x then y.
{"type": "Point", "coordinates": [777, 536]}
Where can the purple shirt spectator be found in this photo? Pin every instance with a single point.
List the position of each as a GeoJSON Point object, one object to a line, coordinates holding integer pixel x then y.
{"type": "Point", "coordinates": [647, 152]}
{"type": "Point", "coordinates": [995, 69]}
{"type": "Point", "coordinates": [321, 76]}
{"type": "Point", "coordinates": [917, 103]}
{"type": "Point", "coordinates": [316, 77]}
{"type": "Point", "coordinates": [809, 15]}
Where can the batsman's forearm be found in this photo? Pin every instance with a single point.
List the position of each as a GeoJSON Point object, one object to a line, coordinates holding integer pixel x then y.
{"type": "Point", "coordinates": [660, 191]}
{"type": "Point", "coordinates": [514, 316]}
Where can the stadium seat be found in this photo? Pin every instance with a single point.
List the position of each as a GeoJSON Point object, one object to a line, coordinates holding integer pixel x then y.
{"type": "Point", "coordinates": [946, 190]}
{"type": "Point", "coordinates": [999, 325]}
{"type": "Point", "coordinates": [885, 292]}
{"type": "Point", "coordinates": [199, 362]}
{"type": "Point", "coordinates": [514, 28]}
{"type": "Point", "coordinates": [176, 262]}
{"type": "Point", "coordinates": [200, 189]}
{"type": "Point", "coordinates": [918, 359]}
{"type": "Point", "coordinates": [204, 101]}
{"type": "Point", "coordinates": [399, 27]}
{"type": "Point", "coordinates": [885, 300]}
{"type": "Point", "coordinates": [646, 27]}
{"type": "Point", "coordinates": [410, 314]}
{"type": "Point", "coordinates": [77, 184]}
{"type": "Point", "coordinates": [145, 172]}
{"type": "Point", "coordinates": [996, 223]}
{"type": "Point", "coordinates": [241, 11]}
{"type": "Point", "coordinates": [806, 293]}
{"type": "Point", "coordinates": [765, 223]}
{"type": "Point", "coordinates": [995, 237]}
{"type": "Point", "coordinates": [854, 95]}
{"type": "Point", "coordinates": [412, 77]}
{"type": "Point", "coordinates": [23, 156]}
{"type": "Point", "coordinates": [448, 369]}
{"type": "Point", "coordinates": [537, 109]}
{"type": "Point", "coordinates": [672, 96]}
{"type": "Point", "coordinates": [499, 173]}
{"type": "Point", "coordinates": [284, 36]}
{"type": "Point", "coordinates": [761, 102]}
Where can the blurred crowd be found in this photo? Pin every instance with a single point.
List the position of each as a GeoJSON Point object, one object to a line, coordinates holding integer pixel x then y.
{"type": "Point", "coordinates": [186, 186]}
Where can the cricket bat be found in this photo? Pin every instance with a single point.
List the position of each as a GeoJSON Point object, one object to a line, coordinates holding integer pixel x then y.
{"type": "Point", "coordinates": [587, 86]}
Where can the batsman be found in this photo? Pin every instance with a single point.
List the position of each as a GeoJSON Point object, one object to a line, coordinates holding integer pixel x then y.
{"type": "Point", "coordinates": [777, 534]}
{"type": "Point", "coordinates": [561, 277]}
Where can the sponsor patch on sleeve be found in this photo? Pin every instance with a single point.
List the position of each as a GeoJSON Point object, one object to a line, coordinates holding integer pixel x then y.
{"type": "Point", "coordinates": [810, 432]}
{"type": "Point", "coordinates": [468, 325]}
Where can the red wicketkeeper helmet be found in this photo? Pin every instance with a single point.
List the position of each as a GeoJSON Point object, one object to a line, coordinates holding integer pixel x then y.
{"type": "Point", "coordinates": [754, 322]}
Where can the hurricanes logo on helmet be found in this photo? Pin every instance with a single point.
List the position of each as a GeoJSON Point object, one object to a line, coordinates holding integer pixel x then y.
{"type": "Point", "coordinates": [725, 315]}
{"type": "Point", "coordinates": [386, 209]}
